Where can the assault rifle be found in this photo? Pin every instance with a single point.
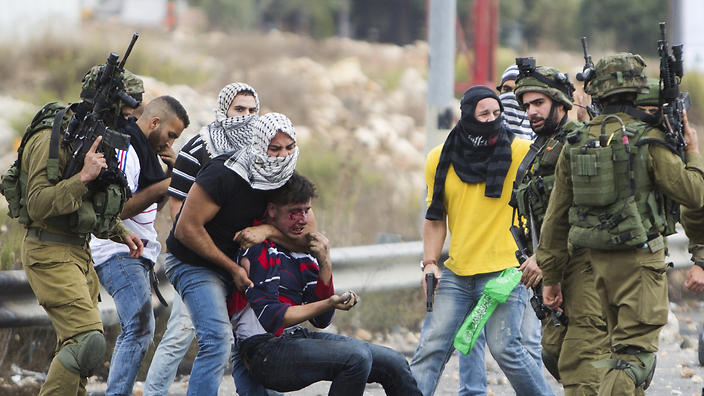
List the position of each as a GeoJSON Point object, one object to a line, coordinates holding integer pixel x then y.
{"type": "Point", "coordinates": [586, 75]}
{"type": "Point", "coordinates": [95, 116]}
{"type": "Point", "coordinates": [541, 310]}
{"type": "Point", "coordinates": [673, 103]}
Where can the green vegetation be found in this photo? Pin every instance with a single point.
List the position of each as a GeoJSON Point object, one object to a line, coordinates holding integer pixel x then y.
{"type": "Point", "coordinates": [51, 70]}
{"type": "Point", "coordinates": [623, 25]}
{"type": "Point", "coordinates": [353, 199]}
{"type": "Point", "coordinates": [694, 84]}
{"type": "Point", "coordinates": [11, 234]}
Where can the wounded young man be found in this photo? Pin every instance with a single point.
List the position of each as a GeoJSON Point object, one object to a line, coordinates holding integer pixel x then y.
{"type": "Point", "coordinates": [291, 288]}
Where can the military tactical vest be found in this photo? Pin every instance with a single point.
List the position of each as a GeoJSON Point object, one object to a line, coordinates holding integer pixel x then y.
{"type": "Point", "coordinates": [533, 192]}
{"type": "Point", "coordinates": [100, 208]}
{"type": "Point", "coordinates": [615, 204]}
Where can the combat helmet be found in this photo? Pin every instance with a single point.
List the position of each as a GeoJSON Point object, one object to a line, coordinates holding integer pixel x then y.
{"type": "Point", "coordinates": [619, 73]}
{"type": "Point", "coordinates": [652, 97]}
{"type": "Point", "coordinates": [132, 85]}
{"type": "Point", "coordinates": [546, 80]}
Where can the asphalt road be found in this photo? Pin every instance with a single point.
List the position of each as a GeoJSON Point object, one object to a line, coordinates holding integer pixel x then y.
{"type": "Point", "coordinates": [678, 371]}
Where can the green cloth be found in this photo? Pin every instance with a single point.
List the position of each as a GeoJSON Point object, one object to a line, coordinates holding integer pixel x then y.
{"type": "Point", "coordinates": [495, 292]}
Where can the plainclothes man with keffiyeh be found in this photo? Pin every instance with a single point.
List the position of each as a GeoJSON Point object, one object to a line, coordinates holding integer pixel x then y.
{"type": "Point", "coordinates": [469, 181]}
{"type": "Point", "coordinates": [237, 105]}
{"type": "Point", "coordinates": [229, 193]}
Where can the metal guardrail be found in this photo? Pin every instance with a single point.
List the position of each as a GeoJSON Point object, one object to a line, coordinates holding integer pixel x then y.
{"type": "Point", "coordinates": [362, 268]}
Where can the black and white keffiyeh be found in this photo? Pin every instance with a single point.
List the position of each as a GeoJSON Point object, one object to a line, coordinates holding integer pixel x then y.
{"type": "Point", "coordinates": [252, 163]}
{"type": "Point", "coordinates": [226, 134]}
{"type": "Point", "coordinates": [228, 93]}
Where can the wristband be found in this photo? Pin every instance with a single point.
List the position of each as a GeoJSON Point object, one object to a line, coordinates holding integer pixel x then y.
{"type": "Point", "coordinates": [423, 263]}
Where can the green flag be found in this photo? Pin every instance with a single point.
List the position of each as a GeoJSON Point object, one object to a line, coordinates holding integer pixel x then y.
{"type": "Point", "coordinates": [495, 292]}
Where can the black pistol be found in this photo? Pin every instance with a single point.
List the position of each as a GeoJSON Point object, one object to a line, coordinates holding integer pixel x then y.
{"type": "Point", "coordinates": [430, 282]}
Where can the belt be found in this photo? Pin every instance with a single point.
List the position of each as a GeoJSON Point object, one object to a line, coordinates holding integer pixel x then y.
{"type": "Point", "coordinates": [48, 236]}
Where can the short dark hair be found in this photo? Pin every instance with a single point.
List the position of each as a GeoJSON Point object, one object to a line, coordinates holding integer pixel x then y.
{"type": "Point", "coordinates": [177, 108]}
{"type": "Point", "coordinates": [298, 189]}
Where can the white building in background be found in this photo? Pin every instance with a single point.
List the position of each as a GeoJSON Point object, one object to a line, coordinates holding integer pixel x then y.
{"type": "Point", "coordinates": [688, 29]}
{"type": "Point", "coordinates": [22, 20]}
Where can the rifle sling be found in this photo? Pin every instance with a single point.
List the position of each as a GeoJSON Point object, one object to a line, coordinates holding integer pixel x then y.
{"type": "Point", "coordinates": [525, 165]}
{"type": "Point", "coordinates": [52, 165]}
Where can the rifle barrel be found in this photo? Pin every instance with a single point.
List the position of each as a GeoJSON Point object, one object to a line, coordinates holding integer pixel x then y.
{"type": "Point", "coordinates": [135, 36]}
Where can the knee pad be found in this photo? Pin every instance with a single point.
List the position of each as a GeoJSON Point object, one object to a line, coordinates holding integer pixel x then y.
{"type": "Point", "coordinates": [641, 374]}
{"type": "Point", "coordinates": [85, 354]}
{"type": "Point", "coordinates": [550, 363]}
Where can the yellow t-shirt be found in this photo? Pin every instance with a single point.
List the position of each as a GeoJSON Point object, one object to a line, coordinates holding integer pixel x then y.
{"type": "Point", "coordinates": [480, 240]}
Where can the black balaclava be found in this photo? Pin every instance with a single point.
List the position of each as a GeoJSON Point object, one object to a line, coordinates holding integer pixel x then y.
{"type": "Point", "coordinates": [478, 151]}
{"type": "Point", "coordinates": [468, 105]}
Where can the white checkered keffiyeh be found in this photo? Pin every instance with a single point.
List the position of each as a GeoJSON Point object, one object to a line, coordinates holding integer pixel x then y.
{"type": "Point", "coordinates": [252, 163]}
{"type": "Point", "coordinates": [224, 135]}
{"type": "Point", "coordinates": [228, 93]}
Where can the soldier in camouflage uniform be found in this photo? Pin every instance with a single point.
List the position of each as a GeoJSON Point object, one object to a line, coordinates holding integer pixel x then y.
{"type": "Point", "coordinates": [617, 186]}
{"type": "Point", "coordinates": [60, 215]}
{"type": "Point", "coordinates": [546, 96]}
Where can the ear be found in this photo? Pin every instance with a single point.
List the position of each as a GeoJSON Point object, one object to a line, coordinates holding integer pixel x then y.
{"type": "Point", "coordinates": [270, 210]}
{"type": "Point", "coordinates": [154, 123]}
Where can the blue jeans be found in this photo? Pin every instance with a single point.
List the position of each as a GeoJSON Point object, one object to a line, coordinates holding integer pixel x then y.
{"type": "Point", "coordinates": [472, 368]}
{"type": "Point", "coordinates": [454, 299]}
{"type": "Point", "coordinates": [204, 292]}
{"type": "Point", "coordinates": [126, 279]}
{"type": "Point", "coordinates": [299, 358]}
{"type": "Point", "coordinates": [173, 347]}
{"type": "Point", "coordinates": [531, 332]}
{"type": "Point", "coordinates": [244, 384]}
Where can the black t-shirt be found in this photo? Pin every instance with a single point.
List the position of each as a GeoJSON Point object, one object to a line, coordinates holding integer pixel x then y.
{"type": "Point", "coordinates": [239, 203]}
{"type": "Point", "coordinates": [151, 171]}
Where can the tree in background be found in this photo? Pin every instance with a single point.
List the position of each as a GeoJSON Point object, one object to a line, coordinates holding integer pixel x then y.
{"type": "Point", "coordinates": [622, 25]}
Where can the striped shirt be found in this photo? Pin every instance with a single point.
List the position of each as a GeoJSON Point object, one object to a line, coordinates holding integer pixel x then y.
{"type": "Point", "coordinates": [515, 118]}
{"type": "Point", "coordinates": [283, 279]}
{"type": "Point", "coordinates": [192, 157]}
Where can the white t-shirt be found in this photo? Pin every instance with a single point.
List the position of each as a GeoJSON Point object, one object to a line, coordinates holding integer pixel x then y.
{"type": "Point", "coordinates": [141, 224]}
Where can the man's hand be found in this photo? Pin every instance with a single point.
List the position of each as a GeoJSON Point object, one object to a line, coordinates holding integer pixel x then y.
{"type": "Point", "coordinates": [239, 275]}
{"type": "Point", "coordinates": [251, 236]}
{"type": "Point", "coordinates": [134, 242]}
{"type": "Point", "coordinates": [532, 274]}
{"type": "Point", "coordinates": [552, 296]}
{"type": "Point", "coordinates": [430, 268]}
{"type": "Point", "coordinates": [319, 247]}
{"type": "Point", "coordinates": [92, 163]}
{"type": "Point", "coordinates": [168, 155]}
{"type": "Point", "coordinates": [690, 135]}
{"type": "Point", "coordinates": [345, 301]}
{"type": "Point", "coordinates": [695, 279]}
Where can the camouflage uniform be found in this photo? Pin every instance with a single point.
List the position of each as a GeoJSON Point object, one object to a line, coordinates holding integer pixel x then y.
{"type": "Point", "coordinates": [621, 215]}
{"type": "Point", "coordinates": [585, 336]}
{"type": "Point", "coordinates": [57, 260]}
